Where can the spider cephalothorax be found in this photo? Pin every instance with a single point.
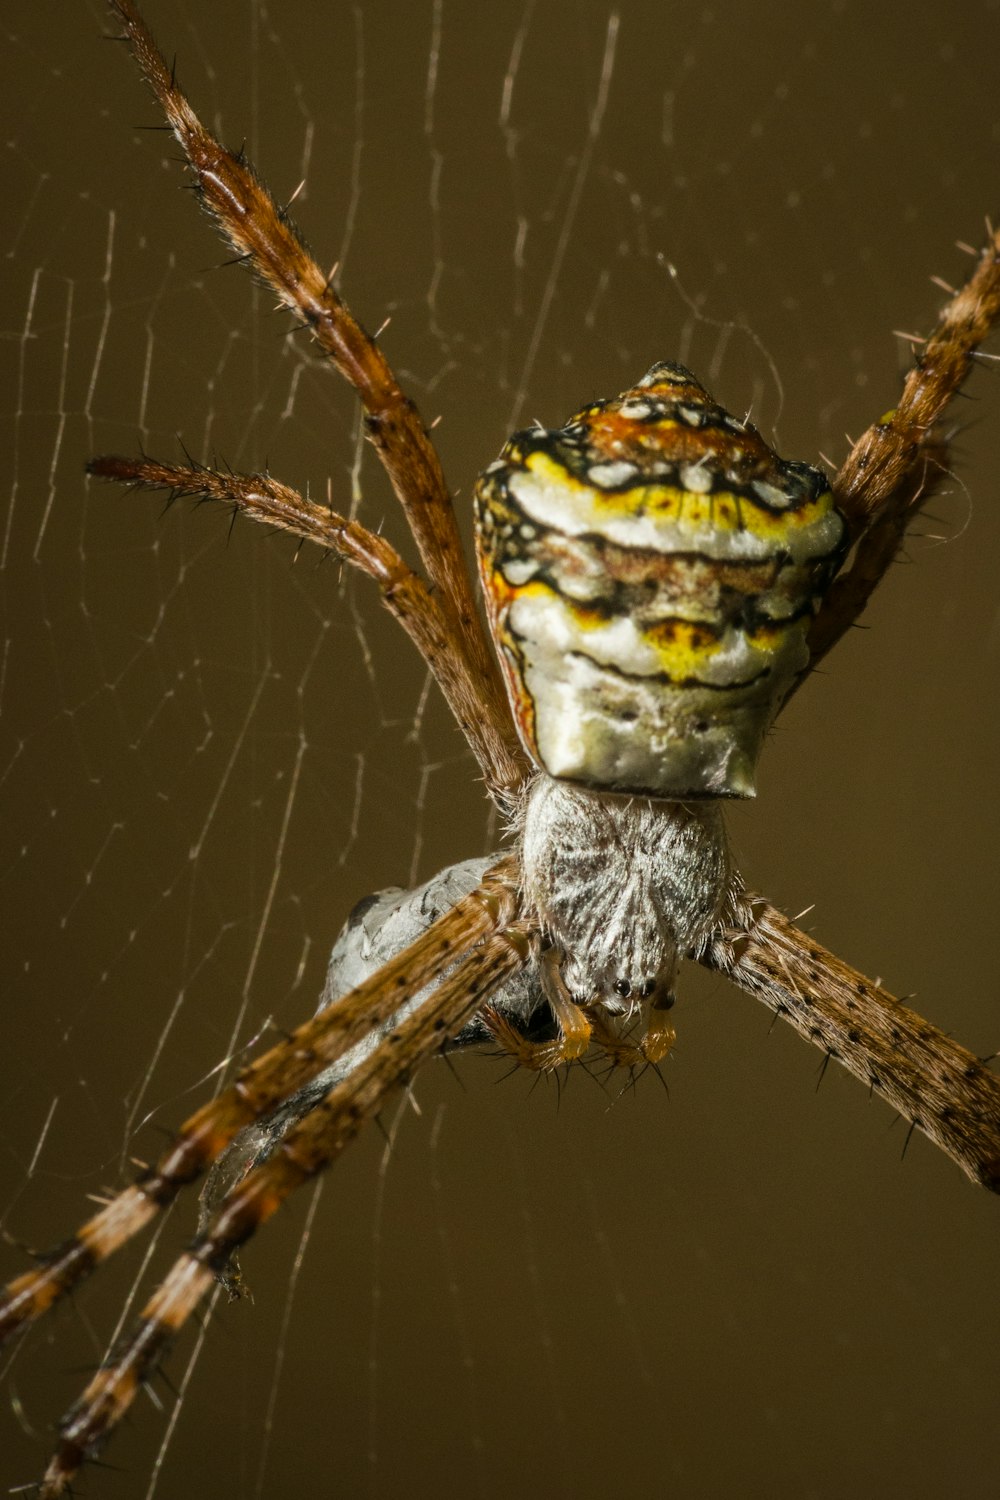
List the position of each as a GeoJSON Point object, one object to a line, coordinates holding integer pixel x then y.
{"type": "Point", "coordinates": [623, 888]}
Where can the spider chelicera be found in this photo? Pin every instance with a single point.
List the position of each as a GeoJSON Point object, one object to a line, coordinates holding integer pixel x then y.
{"type": "Point", "coordinates": [658, 584]}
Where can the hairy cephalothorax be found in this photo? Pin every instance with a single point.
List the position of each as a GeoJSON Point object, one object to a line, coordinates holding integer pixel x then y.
{"type": "Point", "coordinates": [658, 583]}
{"type": "Point", "coordinates": [623, 887]}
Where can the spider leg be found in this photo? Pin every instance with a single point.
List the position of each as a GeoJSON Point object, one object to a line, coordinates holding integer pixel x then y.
{"type": "Point", "coordinates": [259, 1088]}
{"type": "Point", "coordinates": [263, 235]}
{"type": "Point", "coordinates": [572, 1020]}
{"type": "Point", "coordinates": [940, 1087]}
{"type": "Point", "coordinates": [656, 1041]}
{"type": "Point", "coordinates": [895, 465]}
{"type": "Point", "coordinates": [404, 593]}
{"type": "Point", "coordinates": [875, 551]}
{"type": "Point", "coordinates": [888, 476]}
{"type": "Point", "coordinates": [305, 1151]}
{"type": "Point", "coordinates": [884, 456]}
{"type": "Point", "coordinates": [378, 929]}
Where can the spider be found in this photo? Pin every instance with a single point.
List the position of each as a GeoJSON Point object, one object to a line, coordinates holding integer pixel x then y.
{"type": "Point", "coordinates": [579, 781]}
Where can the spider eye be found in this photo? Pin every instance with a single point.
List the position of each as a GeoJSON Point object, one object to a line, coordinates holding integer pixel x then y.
{"type": "Point", "coordinates": [648, 988]}
{"type": "Point", "coordinates": [623, 988]}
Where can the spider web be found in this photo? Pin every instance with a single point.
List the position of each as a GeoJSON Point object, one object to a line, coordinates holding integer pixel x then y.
{"type": "Point", "coordinates": [212, 748]}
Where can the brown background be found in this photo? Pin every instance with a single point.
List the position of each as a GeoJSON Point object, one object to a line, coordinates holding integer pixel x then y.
{"type": "Point", "coordinates": [209, 752]}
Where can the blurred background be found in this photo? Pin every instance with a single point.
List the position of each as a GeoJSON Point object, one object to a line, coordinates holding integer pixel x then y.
{"type": "Point", "coordinates": [212, 748]}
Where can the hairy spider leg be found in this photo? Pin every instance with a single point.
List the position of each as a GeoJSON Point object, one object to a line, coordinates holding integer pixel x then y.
{"type": "Point", "coordinates": [264, 235]}
{"type": "Point", "coordinates": [898, 462]}
{"type": "Point", "coordinates": [308, 1149]}
{"type": "Point", "coordinates": [403, 592]}
{"type": "Point", "coordinates": [941, 1088]}
{"type": "Point", "coordinates": [259, 1087]}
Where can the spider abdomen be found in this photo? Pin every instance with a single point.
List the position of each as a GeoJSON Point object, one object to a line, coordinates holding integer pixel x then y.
{"type": "Point", "coordinates": [650, 571]}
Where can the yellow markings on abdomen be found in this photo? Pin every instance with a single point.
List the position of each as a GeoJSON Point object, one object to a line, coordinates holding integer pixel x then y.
{"type": "Point", "coordinates": [650, 570]}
